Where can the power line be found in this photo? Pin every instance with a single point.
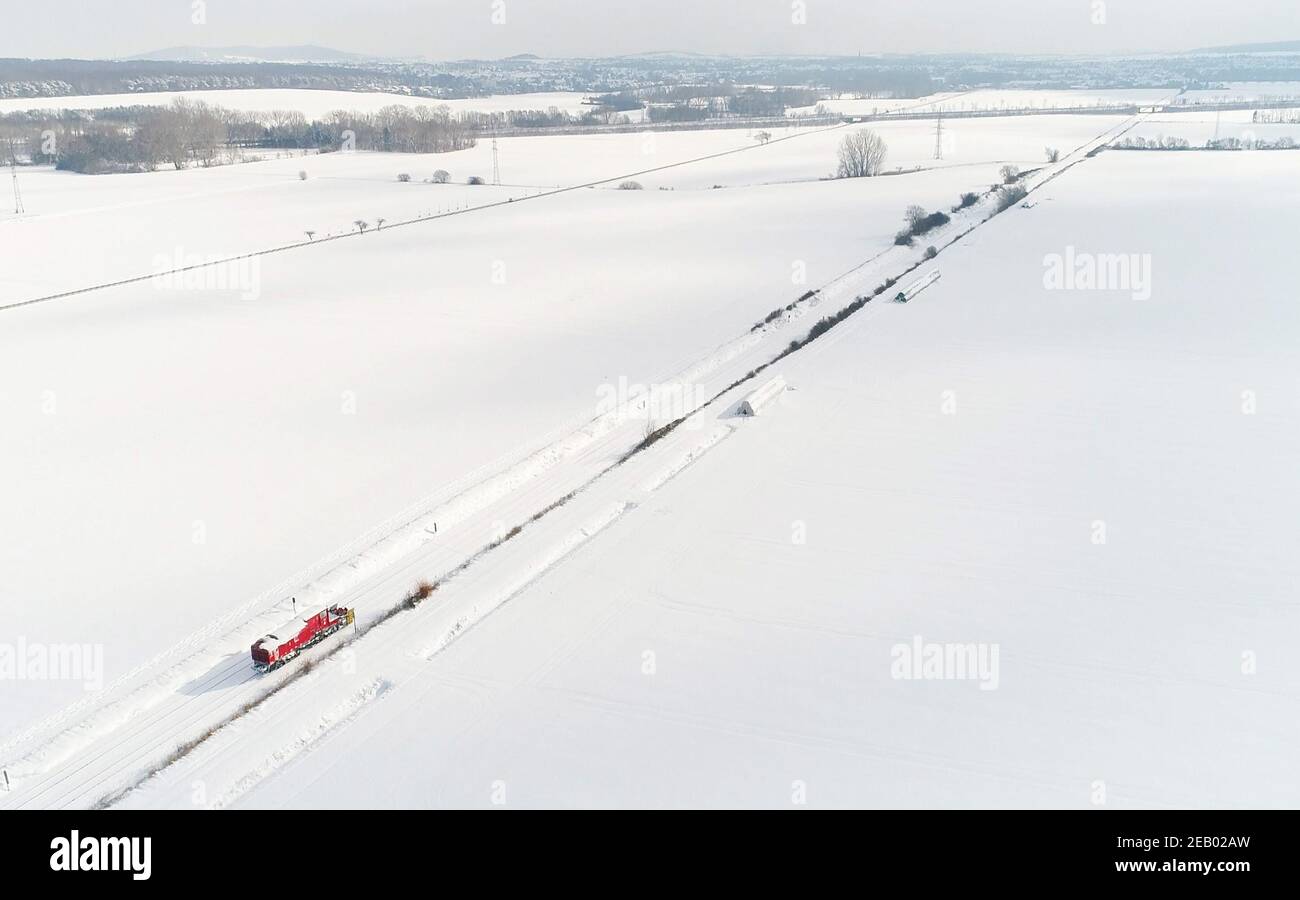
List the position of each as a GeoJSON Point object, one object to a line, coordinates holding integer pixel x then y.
{"type": "Point", "coordinates": [938, 137]}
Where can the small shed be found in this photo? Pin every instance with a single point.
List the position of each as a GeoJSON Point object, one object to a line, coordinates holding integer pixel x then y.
{"type": "Point", "coordinates": [917, 286]}
{"type": "Point", "coordinates": [753, 402]}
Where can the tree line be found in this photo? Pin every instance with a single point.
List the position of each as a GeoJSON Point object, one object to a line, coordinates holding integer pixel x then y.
{"type": "Point", "coordinates": [194, 133]}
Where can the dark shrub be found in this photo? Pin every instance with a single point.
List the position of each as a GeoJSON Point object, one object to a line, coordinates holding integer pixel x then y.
{"type": "Point", "coordinates": [1010, 196]}
{"type": "Point", "coordinates": [422, 591]}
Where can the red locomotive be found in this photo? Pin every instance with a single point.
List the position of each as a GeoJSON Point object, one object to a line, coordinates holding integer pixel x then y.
{"type": "Point", "coordinates": [272, 651]}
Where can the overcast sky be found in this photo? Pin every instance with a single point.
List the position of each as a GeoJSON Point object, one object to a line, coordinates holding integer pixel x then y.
{"type": "Point", "coordinates": [459, 29]}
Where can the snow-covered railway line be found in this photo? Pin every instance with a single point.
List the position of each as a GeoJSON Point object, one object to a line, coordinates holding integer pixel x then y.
{"type": "Point", "coordinates": [114, 760]}
{"type": "Point", "coordinates": [157, 728]}
{"type": "Point", "coordinates": [155, 731]}
{"type": "Point", "coordinates": [181, 717]}
{"type": "Point", "coordinates": [266, 603]}
{"type": "Point", "coordinates": [395, 653]}
{"type": "Point", "coordinates": [112, 768]}
{"type": "Point", "coordinates": [135, 746]}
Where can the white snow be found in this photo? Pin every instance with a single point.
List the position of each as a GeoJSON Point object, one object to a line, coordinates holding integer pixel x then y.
{"type": "Point", "coordinates": [1198, 128]}
{"type": "Point", "coordinates": [240, 441]}
{"type": "Point", "coordinates": [1020, 100]}
{"type": "Point", "coordinates": [1235, 91]}
{"type": "Point", "coordinates": [132, 225]}
{"type": "Point", "coordinates": [1090, 489]}
{"type": "Point", "coordinates": [729, 641]}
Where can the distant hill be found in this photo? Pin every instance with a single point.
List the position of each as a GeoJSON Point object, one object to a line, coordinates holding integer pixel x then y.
{"type": "Point", "coordinates": [303, 53]}
{"type": "Point", "coordinates": [1275, 47]}
{"type": "Point", "coordinates": [665, 54]}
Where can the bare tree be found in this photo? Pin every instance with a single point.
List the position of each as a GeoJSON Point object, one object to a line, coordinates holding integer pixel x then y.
{"type": "Point", "coordinates": [311, 235]}
{"type": "Point", "coordinates": [167, 133]}
{"type": "Point", "coordinates": [861, 155]}
{"type": "Point", "coordinates": [763, 137]}
{"type": "Point", "coordinates": [362, 225]}
{"type": "Point", "coordinates": [1010, 174]}
{"type": "Point", "coordinates": [1053, 155]}
{"type": "Point", "coordinates": [205, 131]}
{"type": "Point", "coordinates": [442, 176]}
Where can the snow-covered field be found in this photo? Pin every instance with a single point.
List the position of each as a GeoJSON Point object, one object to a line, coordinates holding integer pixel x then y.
{"type": "Point", "coordinates": [1076, 481]}
{"type": "Point", "coordinates": [311, 103]}
{"type": "Point", "coordinates": [1197, 128]}
{"type": "Point", "coordinates": [238, 439]}
{"type": "Point", "coordinates": [126, 225]}
{"type": "Point", "coordinates": [319, 103]}
{"type": "Point", "coordinates": [987, 100]}
{"type": "Point", "coordinates": [1090, 487]}
{"type": "Point", "coordinates": [849, 105]}
{"type": "Point", "coordinates": [1017, 100]}
{"type": "Point", "coordinates": [1012, 100]}
{"type": "Point", "coordinates": [1235, 91]}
